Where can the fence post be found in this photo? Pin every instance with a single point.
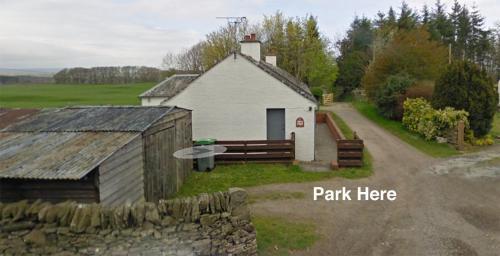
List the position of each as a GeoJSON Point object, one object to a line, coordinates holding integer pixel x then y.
{"type": "Point", "coordinates": [292, 137]}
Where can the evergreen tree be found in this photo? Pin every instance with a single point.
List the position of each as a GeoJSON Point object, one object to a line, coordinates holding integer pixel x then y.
{"type": "Point", "coordinates": [425, 15]}
{"type": "Point", "coordinates": [440, 27]}
{"type": "Point", "coordinates": [391, 18]}
{"type": "Point", "coordinates": [407, 18]}
{"type": "Point", "coordinates": [465, 86]}
{"type": "Point", "coordinates": [355, 54]}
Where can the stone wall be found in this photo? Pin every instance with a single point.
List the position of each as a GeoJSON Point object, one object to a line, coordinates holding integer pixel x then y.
{"type": "Point", "coordinates": [207, 224]}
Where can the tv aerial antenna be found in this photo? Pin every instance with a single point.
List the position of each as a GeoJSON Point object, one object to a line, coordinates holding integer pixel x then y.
{"type": "Point", "coordinates": [233, 22]}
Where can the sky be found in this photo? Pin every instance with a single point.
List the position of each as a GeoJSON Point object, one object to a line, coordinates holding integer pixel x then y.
{"type": "Point", "coordinates": [87, 33]}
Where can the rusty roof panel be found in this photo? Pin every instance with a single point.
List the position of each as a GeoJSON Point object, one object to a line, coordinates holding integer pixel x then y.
{"type": "Point", "coordinates": [83, 119]}
{"type": "Point", "coordinates": [11, 116]}
{"type": "Point", "coordinates": [61, 155]}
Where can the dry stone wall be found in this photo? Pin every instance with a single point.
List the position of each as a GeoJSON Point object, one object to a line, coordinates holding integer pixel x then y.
{"type": "Point", "coordinates": [207, 224]}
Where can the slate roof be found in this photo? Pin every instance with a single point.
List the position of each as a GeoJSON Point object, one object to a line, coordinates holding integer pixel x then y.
{"type": "Point", "coordinates": [51, 155]}
{"type": "Point", "coordinates": [285, 77]}
{"type": "Point", "coordinates": [177, 83]}
{"type": "Point", "coordinates": [170, 86]}
{"type": "Point", "coordinates": [92, 119]}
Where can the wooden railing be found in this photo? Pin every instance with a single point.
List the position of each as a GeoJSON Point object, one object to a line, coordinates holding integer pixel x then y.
{"type": "Point", "coordinates": [257, 151]}
{"type": "Point", "coordinates": [349, 151]}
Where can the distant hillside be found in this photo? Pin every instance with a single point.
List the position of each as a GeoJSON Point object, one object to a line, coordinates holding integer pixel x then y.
{"type": "Point", "coordinates": [24, 79]}
{"type": "Point", "coordinates": [38, 72]}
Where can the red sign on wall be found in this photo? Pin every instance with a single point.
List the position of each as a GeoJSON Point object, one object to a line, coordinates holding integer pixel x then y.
{"type": "Point", "coordinates": [299, 122]}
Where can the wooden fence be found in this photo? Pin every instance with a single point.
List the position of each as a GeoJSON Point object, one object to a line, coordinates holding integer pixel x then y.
{"type": "Point", "coordinates": [257, 151]}
{"type": "Point", "coordinates": [349, 151]}
{"type": "Point", "coordinates": [328, 99]}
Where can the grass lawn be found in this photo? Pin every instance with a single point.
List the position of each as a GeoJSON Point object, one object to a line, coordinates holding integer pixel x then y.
{"type": "Point", "coordinates": [496, 125]}
{"type": "Point", "coordinates": [344, 128]}
{"type": "Point", "coordinates": [224, 177]}
{"type": "Point", "coordinates": [428, 147]}
{"type": "Point", "coordinates": [59, 95]}
{"type": "Point", "coordinates": [277, 236]}
{"type": "Point", "coordinates": [246, 175]}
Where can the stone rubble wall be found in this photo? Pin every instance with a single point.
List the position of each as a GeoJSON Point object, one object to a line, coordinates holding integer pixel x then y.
{"type": "Point", "coordinates": [208, 224]}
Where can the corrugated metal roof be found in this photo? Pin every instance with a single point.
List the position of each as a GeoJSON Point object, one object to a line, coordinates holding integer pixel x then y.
{"type": "Point", "coordinates": [57, 155]}
{"type": "Point", "coordinates": [81, 119]}
{"type": "Point", "coordinates": [10, 116]}
{"type": "Point", "coordinates": [170, 86]}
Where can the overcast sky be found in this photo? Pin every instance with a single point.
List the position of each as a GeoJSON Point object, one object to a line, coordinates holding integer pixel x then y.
{"type": "Point", "coordinates": [65, 33]}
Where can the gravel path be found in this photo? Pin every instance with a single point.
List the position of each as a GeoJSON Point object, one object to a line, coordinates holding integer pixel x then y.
{"type": "Point", "coordinates": [440, 210]}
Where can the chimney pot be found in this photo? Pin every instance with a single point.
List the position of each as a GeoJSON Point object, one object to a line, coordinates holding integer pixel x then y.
{"type": "Point", "coordinates": [252, 37]}
{"type": "Point", "coordinates": [247, 38]}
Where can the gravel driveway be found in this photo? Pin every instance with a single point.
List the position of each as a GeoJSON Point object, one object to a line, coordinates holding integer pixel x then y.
{"type": "Point", "coordinates": [443, 206]}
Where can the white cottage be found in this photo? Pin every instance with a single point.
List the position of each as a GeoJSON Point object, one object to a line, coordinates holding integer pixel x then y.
{"type": "Point", "coordinates": [243, 98]}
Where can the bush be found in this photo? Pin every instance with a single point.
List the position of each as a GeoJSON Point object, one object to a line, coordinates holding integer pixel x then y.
{"type": "Point", "coordinates": [420, 89]}
{"type": "Point", "coordinates": [421, 118]}
{"type": "Point", "coordinates": [464, 86]}
{"type": "Point", "coordinates": [408, 51]}
{"type": "Point", "coordinates": [485, 141]}
{"type": "Point", "coordinates": [317, 92]}
{"type": "Point", "coordinates": [389, 95]}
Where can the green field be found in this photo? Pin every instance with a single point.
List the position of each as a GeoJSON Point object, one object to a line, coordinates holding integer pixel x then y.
{"type": "Point", "coordinates": [59, 95]}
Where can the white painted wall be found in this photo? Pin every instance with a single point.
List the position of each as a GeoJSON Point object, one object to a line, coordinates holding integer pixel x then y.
{"type": "Point", "coordinates": [271, 60]}
{"type": "Point", "coordinates": [229, 102]}
{"type": "Point", "coordinates": [251, 48]}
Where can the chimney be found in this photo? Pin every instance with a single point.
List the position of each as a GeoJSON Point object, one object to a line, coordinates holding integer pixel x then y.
{"type": "Point", "coordinates": [271, 59]}
{"type": "Point", "coordinates": [250, 46]}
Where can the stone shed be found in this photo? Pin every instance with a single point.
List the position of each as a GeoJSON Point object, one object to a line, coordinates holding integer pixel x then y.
{"type": "Point", "coordinates": [110, 155]}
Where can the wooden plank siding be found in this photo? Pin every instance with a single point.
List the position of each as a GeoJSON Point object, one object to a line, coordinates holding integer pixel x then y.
{"type": "Point", "coordinates": [164, 174]}
{"type": "Point", "coordinates": [121, 175]}
{"type": "Point", "coordinates": [84, 190]}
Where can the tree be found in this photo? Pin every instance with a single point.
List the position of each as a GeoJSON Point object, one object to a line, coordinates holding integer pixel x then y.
{"type": "Point", "coordinates": [408, 52]}
{"type": "Point", "coordinates": [464, 86]}
{"type": "Point", "coordinates": [298, 44]}
{"type": "Point", "coordinates": [425, 15]}
{"type": "Point", "coordinates": [407, 18]}
{"type": "Point", "coordinates": [440, 27]}
{"type": "Point", "coordinates": [355, 54]}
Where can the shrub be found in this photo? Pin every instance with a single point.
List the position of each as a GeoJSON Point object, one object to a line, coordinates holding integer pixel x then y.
{"type": "Point", "coordinates": [408, 51]}
{"type": "Point", "coordinates": [465, 86]}
{"type": "Point", "coordinates": [389, 95]}
{"type": "Point", "coordinates": [420, 89]}
{"type": "Point", "coordinates": [421, 118]}
{"type": "Point", "coordinates": [317, 92]}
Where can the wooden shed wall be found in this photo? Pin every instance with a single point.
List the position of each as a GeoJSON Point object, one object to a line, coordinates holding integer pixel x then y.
{"type": "Point", "coordinates": [121, 175]}
{"type": "Point", "coordinates": [84, 190]}
{"type": "Point", "coordinates": [163, 173]}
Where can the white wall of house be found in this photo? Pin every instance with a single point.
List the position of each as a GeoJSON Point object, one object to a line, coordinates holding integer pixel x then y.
{"type": "Point", "coordinates": [229, 102]}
